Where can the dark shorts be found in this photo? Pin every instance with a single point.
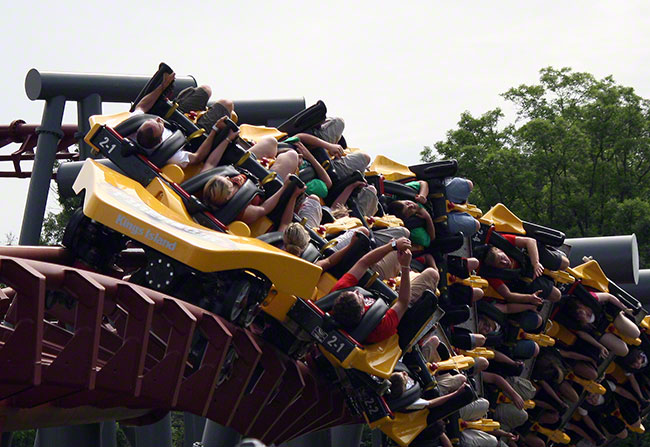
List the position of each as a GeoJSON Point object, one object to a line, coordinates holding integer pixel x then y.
{"type": "Point", "coordinates": [196, 99]}
{"type": "Point", "coordinates": [216, 111]}
{"type": "Point", "coordinates": [543, 283]}
{"type": "Point", "coordinates": [192, 99]}
{"type": "Point", "coordinates": [523, 349]}
{"type": "Point", "coordinates": [549, 257]}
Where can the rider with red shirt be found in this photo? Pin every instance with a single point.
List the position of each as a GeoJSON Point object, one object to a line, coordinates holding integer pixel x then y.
{"type": "Point", "coordinates": [351, 305]}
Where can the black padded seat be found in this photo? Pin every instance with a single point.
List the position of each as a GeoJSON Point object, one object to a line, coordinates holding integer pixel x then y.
{"type": "Point", "coordinates": [415, 318]}
{"type": "Point", "coordinates": [310, 254]}
{"type": "Point", "coordinates": [242, 198]}
{"type": "Point", "coordinates": [338, 186]}
{"type": "Point", "coordinates": [544, 235]}
{"type": "Point", "coordinates": [401, 191]}
{"type": "Point", "coordinates": [361, 246]}
{"type": "Point", "coordinates": [168, 148]}
{"type": "Point", "coordinates": [327, 302]}
{"type": "Point", "coordinates": [371, 318]}
{"type": "Point", "coordinates": [305, 119]}
{"type": "Point", "coordinates": [408, 397]}
{"type": "Point", "coordinates": [237, 154]}
{"type": "Point", "coordinates": [435, 169]}
{"type": "Point", "coordinates": [490, 311]}
{"type": "Point", "coordinates": [133, 123]}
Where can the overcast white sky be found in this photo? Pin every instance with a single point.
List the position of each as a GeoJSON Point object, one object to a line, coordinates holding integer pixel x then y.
{"type": "Point", "coordinates": [400, 73]}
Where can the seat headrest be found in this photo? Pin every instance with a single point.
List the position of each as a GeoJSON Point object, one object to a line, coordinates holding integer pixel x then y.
{"type": "Point", "coordinates": [168, 148]}
{"type": "Point", "coordinates": [327, 302]}
{"type": "Point", "coordinates": [408, 397]}
{"type": "Point", "coordinates": [196, 183]}
{"type": "Point", "coordinates": [133, 123]}
{"type": "Point", "coordinates": [242, 198]}
{"type": "Point", "coordinates": [371, 318]}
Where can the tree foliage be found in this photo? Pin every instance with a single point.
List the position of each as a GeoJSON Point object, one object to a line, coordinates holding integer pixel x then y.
{"type": "Point", "coordinates": [54, 223]}
{"type": "Point", "coordinates": [577, 157]}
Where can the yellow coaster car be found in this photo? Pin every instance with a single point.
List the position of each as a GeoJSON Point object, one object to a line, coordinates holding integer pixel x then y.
{"type": "Point", "coordinates": [200, 262]}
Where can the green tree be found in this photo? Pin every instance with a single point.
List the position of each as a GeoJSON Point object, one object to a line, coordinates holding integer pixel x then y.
{"type": "Point", "coordinates": [54, 223]}
{"type": "Point", "coordinates": [575, 159]}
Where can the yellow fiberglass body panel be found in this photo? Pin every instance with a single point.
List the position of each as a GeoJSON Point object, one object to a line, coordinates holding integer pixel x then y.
{"type": "Point", "coordinates": [503, 219]}
{"type": "Point", "coordinates": [126, 206]}
{"type": "Point", "coordinates": [378, 359]}
{"type": "Point", "coordinates": [468, 208]}
{"type": "Point", "coordinates": [406, 426]}
{"type": "Point", "coordinates": [559, 332]}
{"type": "Point", "coordinates": [391, 170]}
{"type": "Point", "coordinates": [109, 120]}
{"type": "Point", "coordinates": [256, 133]}
{"type": "Point", "coordinates": [592, 275]}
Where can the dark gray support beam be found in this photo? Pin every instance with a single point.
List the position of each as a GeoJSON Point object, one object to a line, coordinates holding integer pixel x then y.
{"type": "Point", "coordinates": [87, 107]}
{"type": "Point", "coordinates": [618, 256]}
{"type": "Point", "coordinates": [77, 86]}
{"type": "Point", "coordinates": [320, 438]}
{"type": "Point", "coordinates": [347, 435]}
{"type": "Point", "coordinates": [216, 435]}
{"type": "Point", "coordinates": [49, 134]}
{"type": "Point", "coordinates": [109, 433]}
{"type": "Point", "coordinates": [158, 434]}
{"type": "Point", "coordinates": [377, 438]}
{"type": "Point", "coordinates": [641, 290]}
{"type": "Point", "coordinates": [268, 112]}
{"type": "Point", "coordinates": [79, 435]}
{"type": "Point", "coordinates": [194, 426]}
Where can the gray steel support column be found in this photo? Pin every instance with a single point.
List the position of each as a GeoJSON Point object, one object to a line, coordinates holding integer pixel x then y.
{"type": "Point", "coordinates": [87, 107]}
{"type": "Point", "coordinates": [87, 435]}
{"type": "Point", "coordinates": [109, 433]}
{"type": "Point", "coordinates": [129, 432]}
{"type": "Point", "coordinates": [194, 426]}
{"type": "Point", "coordinates": [267, 112]}
{"type": "Point", "coordinates": [77, 86]}
{"type": "Point", "coordinates": [155, 435]}
{"type": "Point", "coordinates": [5, 439]}
{"type": "Point", "coordinates": [49, 134]}
{"type": "Point", "coordinates": [377, 438]}
{"type": "Point", "coordinates": [347, 435]}
{"type": "Point", "coordinates": [322, 438]}
{"type": "Point", "coordinates": [618, 256]}
{"type": "Point", "coordinates": [641, 290]}
{"type": "Point", "coordinates": [216, 435]}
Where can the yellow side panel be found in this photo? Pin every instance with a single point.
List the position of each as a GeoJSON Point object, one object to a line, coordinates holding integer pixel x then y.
{"type": "Point", "coordinates": [278, 304]}
{"type": "Point", "coordinates": [174, 173]}
{"type": "Point", "coordinates": [592, 275]}
{"type": "Point", "coordinates": [325, 284]}
{"type": "Point", "coordinates": [256, 133]}
{"type": "Point", "coordinates": [494, 294]}
{"type": "Point", "coordinates": [559, 332]}
{"type": "Point", "coordinates": [468, 208]}
{"type": "Point", "coordinates": [384, 221]}
{"type": "Point", "coordinates": [503, 220]}
{"type": "Point", "coordinates": [124, 205]}
{"type": "Point", "coordinates": [342, 224]}
{"type": "Point", "coordinates": [168, 198]}
{"type": "Point", "coordinates": [378, 359]}
{"type": "Point", "coordinates": [260, 226]}
{"type": "Point", "coordinates": [406, 426]}
{"type": "Point", "coordinates": [391, 170]}
{"type": "Point", "coordinates": [109, 120]}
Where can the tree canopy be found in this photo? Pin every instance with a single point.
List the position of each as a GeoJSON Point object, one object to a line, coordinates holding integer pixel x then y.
{"type": "Point", "coordinates": [575, 159]}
